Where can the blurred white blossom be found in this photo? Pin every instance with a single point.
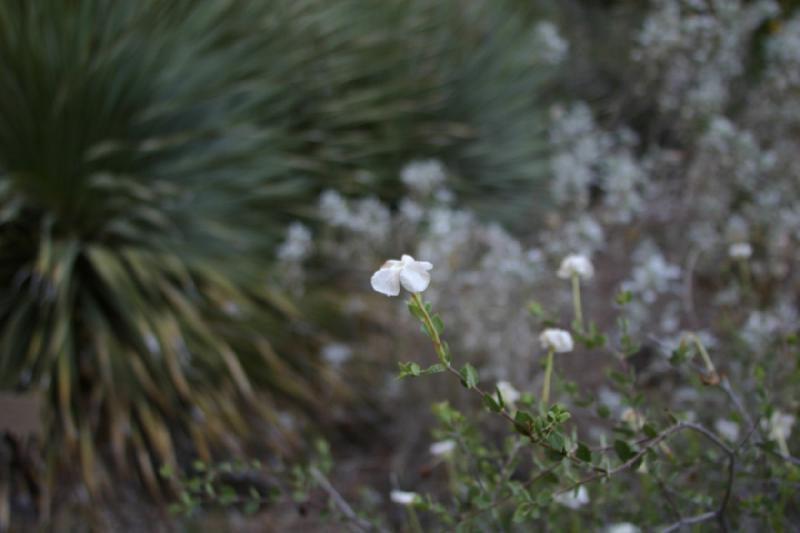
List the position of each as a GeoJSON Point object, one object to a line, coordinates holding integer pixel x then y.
{"type": "Point", "coordinates": [727, 429]}
{"type": "Point", "coordinates": [740, 250]}
{"type": "Point", "coordinates": [558, 340]}
{"type": "Point", "coordinates": [574, 499]}
{"type": "Point", "coordinates": [576, 265]}
{"type": "Point", "coordinates": [780, 425]}
{"type": "Point", "coordinates": [297, 245]}
{"type": "Point", "coordinates": [551, 46]}
{"type": "Point", "coordinates": [622, 527]}
{"type": "Point", "coordinates": [443, 448]}
{"type": "Point", "coordinates": [423, 177]}
{"type": "Point", "coordinates": [402, 497]}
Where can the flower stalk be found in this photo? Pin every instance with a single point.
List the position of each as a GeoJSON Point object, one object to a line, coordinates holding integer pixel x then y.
{"type": "Point", "coordinates": [548, 372]}
{"type": "Point", "coordinates": [433, 332]}
{"type": "Point", "coordinates": [576, 302]}
{"type": "Point", "coordinates": [711, 377]}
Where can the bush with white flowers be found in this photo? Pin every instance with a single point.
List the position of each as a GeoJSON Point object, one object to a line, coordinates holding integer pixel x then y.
{"type": "Point", "coordinates": [629, 359]}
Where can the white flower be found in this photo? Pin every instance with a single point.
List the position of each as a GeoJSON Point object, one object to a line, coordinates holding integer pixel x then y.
{"type": "Point", "coordinates": [727, 429]}
{"type": "Point", "coordinates": [423, 176]}
{"type": "Point", "coordinates": [552, 47]}
{"type": "Point", "coordinates": [508, 392]}
{"type": "Point", "coordinates": [576, 265]}
{"type": "Point", "coordinates": [574, 498]}
{"type": "Point", "coordinates": [633, 418]}
{"type": "Point", "coordinates": [336, 353]}
{"type": "Point", "coordinates": [780, 426]}
{"type": "Point", "coordinates": [412, 274]}
{"type": "Point", "coordinates": [622, 527]}
{"type": "Point", "coordinates": [442, 448]}
{"type": "Point", "coordinates": [297, 245]}
{"type": "Point", "coordinates": [557, 340]}
{"type": "Point", "coordinates": [403, 498]}
{"type": "Point", "coordinates": [740, 250]}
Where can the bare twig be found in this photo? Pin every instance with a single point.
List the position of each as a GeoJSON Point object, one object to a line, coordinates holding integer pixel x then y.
{"type": "Point", "coordinates": [688, 285]}
{"type": "Point", "coordinates": [358, 523]}
{"type": "Point", "coordinates": [688, 521]}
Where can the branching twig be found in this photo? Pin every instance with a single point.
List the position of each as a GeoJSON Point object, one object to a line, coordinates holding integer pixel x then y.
{"type": "Point", "coordinates": [358, 523]}
{"type": "Point", "coordinates": [691, 520]}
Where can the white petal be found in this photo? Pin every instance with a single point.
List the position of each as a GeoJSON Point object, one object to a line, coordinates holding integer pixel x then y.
{"type": "Point", "coordinates": [386, 281]}
{"type": "Point", "coordinates": [424, 265]}
{"type": "Point", "coordinates": [414, 279]}
{"type": "Point", "coordinates": [406, 259]}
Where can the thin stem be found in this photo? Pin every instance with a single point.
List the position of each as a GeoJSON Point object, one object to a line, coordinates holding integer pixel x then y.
{"type": "Point", "coordinates": [416, 527]}
{"type": "Point", "coordinates": [744, 273]}
{"type": "Point", "coordinates": [548, 371]}
{"type": "Point", "coordinates": [359, 524]}
{"type": "Point", "coordinates": [576, 301]}
{"type": "Point", "coordinates": [712, 376]}
{"type": "Point", "coordinates": [432, 331]}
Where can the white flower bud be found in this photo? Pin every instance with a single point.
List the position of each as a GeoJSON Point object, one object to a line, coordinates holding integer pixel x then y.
{"type": "Point", "coordinates": [443, 448]}
{"type": "Point", "coordinates": [558, 340]}
{"type": "Point", "coordinates": [780, 425]}
{"type": "Point", "coordinates": [576, 265]}
{"type": "Point", "coordinates": [727, 429]}
{"type": "Point", "coordinates": [573, 499]}
{"type": "Point", "coordinates": [402, 497]}
{"type": "Point", "coordinates": [740, 250]}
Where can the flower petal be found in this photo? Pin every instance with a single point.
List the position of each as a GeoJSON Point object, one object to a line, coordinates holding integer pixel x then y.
{"type": "Point", "coordinates": [386, 281]}
{"type": "Point", "coordinates": [414, 279]}
{"type": "Point", "coordinates": [424, 265]}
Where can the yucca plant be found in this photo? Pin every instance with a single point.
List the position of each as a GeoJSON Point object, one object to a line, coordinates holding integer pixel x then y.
{"type": "Point", "coordinates": [150, 153]}
{"type": "Point", "coordinates": [139, 200]}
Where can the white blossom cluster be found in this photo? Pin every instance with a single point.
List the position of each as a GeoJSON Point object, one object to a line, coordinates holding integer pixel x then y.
{"type": "Point", "coordinates": [551, 47]}
{"type": "Point", "coordinates": [690, 51]}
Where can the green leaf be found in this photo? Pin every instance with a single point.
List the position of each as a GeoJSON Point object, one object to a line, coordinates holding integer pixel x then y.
{"type": "Point", "coordinates": [409, 369]}
{"type": "Point", "coordinates": [623, 297]}
{"type": "Point", "coordinates": [251, 507]}
{"type": "Point", "coordinates": [623, 450]}
{"type": "Point", "coordinates": [491, 403]}
{"type": "Point", "coordinates": [556, 441]}
{"type": "Point", "coordinates": [583, 453]}
{"type": "Point", "coordinates": [650, 431]}
{"type": "Point", "coordinates": [499, 397]}
{"type": "Point", "coordinates": [536, 309]}
{"type": "Point", "coordinates": [415, 310]}
{"type": "Point", "coordinates": [523, 421]}
{"type": "Point", "coordinates": [438, 324]}
{"type": "Point", "coordinates": [433, 369]}
{"type": "Point", "coordinates": [469, 376]}
{"type": "Point", "coordinates": [165, 471]}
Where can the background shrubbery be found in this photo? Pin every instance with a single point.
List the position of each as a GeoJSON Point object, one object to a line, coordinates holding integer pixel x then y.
{"type": "Point", "coordinates": [194, 195]}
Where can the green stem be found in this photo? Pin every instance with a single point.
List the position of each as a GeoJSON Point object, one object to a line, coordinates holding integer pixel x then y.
{"type": "Point", "coordinates": [548, 371]}
{"type": "Point", "coordinates": [744, 273]}
{"type": "Point", "coordinates": [434, 334]}
{"type": "Point", "coordinates": [704, 354]}
{"type": "Point", "coordinates": [576, 301]}
{"type": "Point", "coordinates": [413, 520]}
